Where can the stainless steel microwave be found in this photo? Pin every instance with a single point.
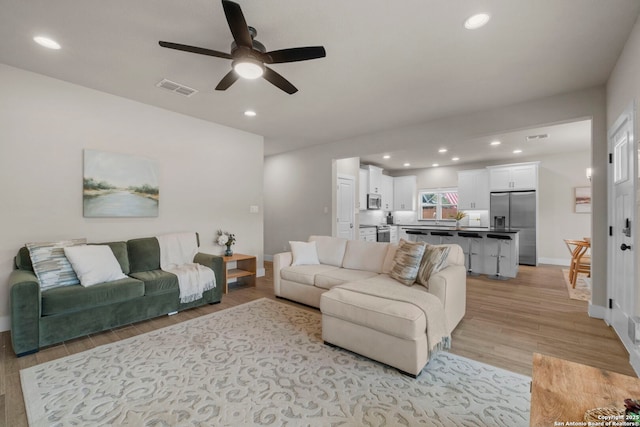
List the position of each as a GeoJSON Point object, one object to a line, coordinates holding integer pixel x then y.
{"type": "Point", "coordinates": [374, 201]}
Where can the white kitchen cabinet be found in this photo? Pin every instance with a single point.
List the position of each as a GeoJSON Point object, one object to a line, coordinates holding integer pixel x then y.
{"type": "Point", "coordinates": [375, 179]}
{"type": "Point", "coordinates": [393, 234]}
{"type": "Point", "coordinates": [473, 189]}
{"type": "Point", "coordinates": [522, 176]}
{"type": "Point", "coordinates": [368, 234]}
{"type": "Point", "coordinates": [404, 193]}
{"type": "Point", "coordinates": [427, 238]}
{"type": "Point", "coordinates": [445, 238]}
{"type": "Point", "coordinates": [363, 186]}
{"type": "Point", "coordinates": [402, 234]}
{"type": "Point", "coordinates": [387, 192]}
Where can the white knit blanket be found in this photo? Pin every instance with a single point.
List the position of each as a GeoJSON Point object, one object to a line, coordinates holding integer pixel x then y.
{"type": "Point", "coordinates": [177, 251]}
{"type": "Point", "coordinates": [438, 337]}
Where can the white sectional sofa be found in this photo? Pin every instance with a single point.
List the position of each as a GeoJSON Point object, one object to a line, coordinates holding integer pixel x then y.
{"type": "Point", "coordinates": [368, 312]}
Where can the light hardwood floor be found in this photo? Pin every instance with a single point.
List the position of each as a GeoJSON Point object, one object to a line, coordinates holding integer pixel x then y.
{"type": "Point", "coordinates": [506, 322]}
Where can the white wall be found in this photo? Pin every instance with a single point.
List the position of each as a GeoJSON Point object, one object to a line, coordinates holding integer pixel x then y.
{"type": "Point", "coordinates": [298, 183]}
{"type": "Point", "coordinates": [209, 174]}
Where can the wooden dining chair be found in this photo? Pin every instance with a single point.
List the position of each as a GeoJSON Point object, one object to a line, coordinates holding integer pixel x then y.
{"type": "Point", "coordinates": [580, 260]}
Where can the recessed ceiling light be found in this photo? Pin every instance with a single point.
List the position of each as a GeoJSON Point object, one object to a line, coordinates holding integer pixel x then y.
{"type": "Point", "coordinates": [476, 21]}
{"type": "Point", "coordinates": [517, 151]}
{"type": "Point", "coordinates": [442, 150]}
{"type": "Point", "coordinates": [250, 113]}
{"type": "Point", "coordinates": [435, 165]}
{"type": "Point", "coordinates": [495, 143]}
{"type": "Point", "coordinates": [386, 157]}
{"type": "Point", "coordinates": [407, 165]}
{"type": "Point", "coordinates": [46, 42]}
{"type": "Point", "coordinates": [455, 159]}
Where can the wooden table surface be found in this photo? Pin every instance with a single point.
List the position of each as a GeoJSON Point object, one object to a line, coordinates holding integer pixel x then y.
{"type": "Point", "coordinates": [563, 391]}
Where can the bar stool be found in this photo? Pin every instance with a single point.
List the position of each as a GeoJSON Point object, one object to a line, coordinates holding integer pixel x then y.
{"type": "Point", "coordinates": [470, 236]}
{"type": "Point", "coordinates": [500, 238]}
{"type": "Point", "coordinates": [441, 234]}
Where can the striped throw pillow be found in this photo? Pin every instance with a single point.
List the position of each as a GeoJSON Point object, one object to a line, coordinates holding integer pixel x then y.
{"type": "Point", "coordinates": [434, 260]}
{"type": "Point", "coordinates": [407, 261]}
{"type": "Point", "coordinates": [50, 264]}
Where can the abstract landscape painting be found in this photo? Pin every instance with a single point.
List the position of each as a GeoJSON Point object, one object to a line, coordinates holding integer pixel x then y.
{"type": "Point", "coordinates": [119, 185]}
{"type": "Point", "coordinates": [583, 199]}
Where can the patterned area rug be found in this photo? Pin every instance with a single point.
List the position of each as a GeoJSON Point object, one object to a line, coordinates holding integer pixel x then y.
{"type": "Point", "coordinates": [262, 363]}
{"type": "Point", "coordinates": [582, 291]}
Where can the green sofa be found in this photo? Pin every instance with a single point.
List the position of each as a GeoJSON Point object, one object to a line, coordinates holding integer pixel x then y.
{"type": "Point", "coordinates": [39, 319]}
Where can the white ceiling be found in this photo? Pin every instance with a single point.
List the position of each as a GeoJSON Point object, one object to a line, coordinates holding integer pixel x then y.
{"type": "Point", "coordinates": [560, 138]}
{"type": "Point", "coordinates": [388, 64]}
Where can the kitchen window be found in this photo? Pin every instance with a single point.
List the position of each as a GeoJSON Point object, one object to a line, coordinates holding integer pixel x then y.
{"type": "Point", "coordinates": [441, 204]}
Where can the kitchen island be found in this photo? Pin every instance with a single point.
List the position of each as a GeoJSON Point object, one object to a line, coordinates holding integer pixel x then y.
{"type": "Point", "coordinates": [482, 247]}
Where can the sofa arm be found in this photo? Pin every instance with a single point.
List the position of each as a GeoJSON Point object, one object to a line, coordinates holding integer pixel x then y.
{"type": "Point", "coordinates": [450, 286]}
{"type": "Point", "coordinates": [25, 311]}
{"type": "Point", "coordinates": [214, 262]}
{"type": "Point", "coordinates": [280, 261]}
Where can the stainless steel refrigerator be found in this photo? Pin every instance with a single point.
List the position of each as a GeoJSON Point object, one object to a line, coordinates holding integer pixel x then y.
{"type": "Point", "coordinates": [519, 211]}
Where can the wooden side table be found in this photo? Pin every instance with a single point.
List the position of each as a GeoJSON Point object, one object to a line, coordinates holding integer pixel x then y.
{"type": "Point", "coordinates": [563, 391]}
{"type": "Point", "coordinates": [245, 271]}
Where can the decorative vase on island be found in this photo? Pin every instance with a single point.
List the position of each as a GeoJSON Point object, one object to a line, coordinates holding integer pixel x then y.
{"type": "Point", "coordinates": [228, 252]}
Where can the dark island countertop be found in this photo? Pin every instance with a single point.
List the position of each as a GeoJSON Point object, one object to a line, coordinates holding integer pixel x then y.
{"type": "Point", "coordinates": [423, 228]}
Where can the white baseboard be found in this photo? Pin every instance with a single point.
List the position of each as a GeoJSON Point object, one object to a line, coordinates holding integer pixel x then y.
{"type": "Point", "coordinates": [597, 311]}
{"type": "Point", "coordinates": [5, 323]}
{"type": "Point", "coordinates": [268, 258]}
{"type": "Point", "coordinates": [554, 261]}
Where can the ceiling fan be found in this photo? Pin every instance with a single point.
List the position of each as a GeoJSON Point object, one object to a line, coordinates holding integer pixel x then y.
{"type": "Point", "coordinates": [248, 55]}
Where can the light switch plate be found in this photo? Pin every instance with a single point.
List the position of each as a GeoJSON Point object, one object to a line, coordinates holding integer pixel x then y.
{"type": "Point", "coordinates": [254, 209]}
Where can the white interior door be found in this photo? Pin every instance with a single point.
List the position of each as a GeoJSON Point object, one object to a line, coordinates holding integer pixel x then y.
{"type": "Point", "coordinates": [622, 245]}
{"type": "Point", "coordinates": [346, 193]}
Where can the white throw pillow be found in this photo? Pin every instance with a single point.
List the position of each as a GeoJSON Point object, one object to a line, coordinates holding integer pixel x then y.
{"type": "Point", "coordinates": [304, 253]}
{"type": "Point", "coordinates": [94, 264]}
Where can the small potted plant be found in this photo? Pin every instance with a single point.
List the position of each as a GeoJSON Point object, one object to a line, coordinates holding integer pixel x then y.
{"type": "Point", "coordinates": [226, 239]}
{"type": "Point", "coordinates": [458, 217]}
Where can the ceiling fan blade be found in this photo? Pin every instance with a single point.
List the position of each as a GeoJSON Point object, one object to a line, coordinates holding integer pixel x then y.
{"type": "Point", "coordinates": [279, 81]}
{"type": "Point", "coordinates": [227, 80]}
{"type": "Point", "coordinates": [194, 49]}
{"type": "Point", "coordinates": [237, 24]}
{"type": "Point", "coordinates": [296, 54]}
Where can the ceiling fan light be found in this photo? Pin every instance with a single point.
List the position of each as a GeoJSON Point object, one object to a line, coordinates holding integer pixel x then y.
{"type": "Point", "coordinates": [248, 69]}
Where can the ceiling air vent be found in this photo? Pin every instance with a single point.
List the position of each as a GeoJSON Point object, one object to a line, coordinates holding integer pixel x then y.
{"type": "Point", "coordinates": [176, 87]}
{"type": "Point", "coordinates": [540, 136]}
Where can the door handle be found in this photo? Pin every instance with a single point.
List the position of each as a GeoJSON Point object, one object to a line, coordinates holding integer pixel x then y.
{"type": "Point", "coordinates": [350, 225]}
{"type": "Point", "coordinates": [624, 247]}
{"type": "Point", "coordinates": [627, 229]}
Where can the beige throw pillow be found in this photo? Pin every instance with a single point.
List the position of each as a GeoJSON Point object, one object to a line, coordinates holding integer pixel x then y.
{"type": "Point", "coordinates": [434, 260]}
{"type": "Point", "coordinates": [406, 262]}
{"type": "Point", "coordinates": [304, 253]}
